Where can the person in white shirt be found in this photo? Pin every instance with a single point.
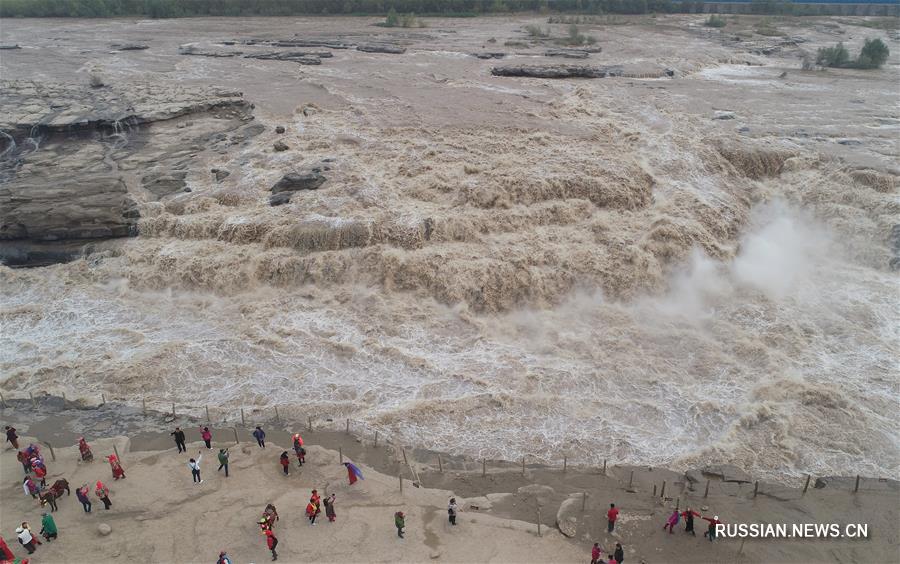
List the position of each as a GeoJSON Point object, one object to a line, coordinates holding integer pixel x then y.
{"type": "Point", "coordinates": [195, 468]}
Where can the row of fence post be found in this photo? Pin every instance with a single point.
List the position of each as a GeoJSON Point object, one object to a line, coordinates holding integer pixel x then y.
{"type": "Point", "coordinates": [309, 420]}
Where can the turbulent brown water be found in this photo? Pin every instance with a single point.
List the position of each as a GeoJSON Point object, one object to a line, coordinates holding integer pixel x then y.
{"type": "Point", "coordinates": [502, 266]}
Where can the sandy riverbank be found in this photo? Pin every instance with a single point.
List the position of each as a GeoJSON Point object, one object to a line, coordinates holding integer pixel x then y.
{"type": "Point", "coordinates": [158, 501]}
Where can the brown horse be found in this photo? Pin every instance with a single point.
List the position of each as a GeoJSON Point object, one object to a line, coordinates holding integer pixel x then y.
{"type": "Point", "coordinates": [54, 492]}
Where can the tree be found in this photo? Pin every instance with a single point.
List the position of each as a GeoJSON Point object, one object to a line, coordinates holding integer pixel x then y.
{"type": "Point", "coordinates": [873, 54]}
{"type": "Point", "coordinates": [836, 56]}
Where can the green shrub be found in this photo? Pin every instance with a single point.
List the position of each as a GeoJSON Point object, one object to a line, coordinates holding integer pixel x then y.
{"type": "Point", "coordinates": [392, 19]}
{"type": "Point", "coordinates": [715, 21]}
{"type": "Point", "coordinates": [536, 31]}
{"type": "Point", "coordinates": [836, 56]}
{"type": "Point", "coordinates": [873, 54]}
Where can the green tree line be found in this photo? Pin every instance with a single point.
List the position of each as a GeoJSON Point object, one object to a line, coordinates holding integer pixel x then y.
{"type": "Point", "coordinates": [201, 8]}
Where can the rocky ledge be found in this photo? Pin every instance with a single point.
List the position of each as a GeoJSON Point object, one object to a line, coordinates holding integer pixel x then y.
{"type": "Point", "coordinates": [558, 71]}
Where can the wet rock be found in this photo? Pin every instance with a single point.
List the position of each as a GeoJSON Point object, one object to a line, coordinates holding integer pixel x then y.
{"type": "Point", "coordinates": [728, 473]}
{"type": "Point", "coordinates": [489, 55]}
{"type": "Point", "coordinates": [8, 47]}
{"type": "Point", "coordinates": [328, 44]}
{"type": "Point", "coordinates": [381, 48]}
{"type": "Point", "coordinates": [567, 53]}
{"type": "Point", "coordinates": [220, 174]}
{"type": "Point", "coordinates": [163, 184]}
{"type": "Point", "coordinates": [557, 71]}
{"type": "Point", "coordinates": [129, 46]}
{"type": "Point", "coordinates": [293, 56]}
{"type": "Point", "coordinates": [279, 129]}
{"type": "Point", "coordinates": [849, 142]}
{"type": "Point", "coordinates": [280, 198]}
{"type": "Point", "coordinates": [295, 181]}
{"type": "Point", "coordinates": [280, 146]}
{"type": "Point", "coordinates": [104, 529]}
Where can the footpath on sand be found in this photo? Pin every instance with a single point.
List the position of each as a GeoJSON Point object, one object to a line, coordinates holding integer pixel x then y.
{"type": "Point", "coordinates": [159, 514]}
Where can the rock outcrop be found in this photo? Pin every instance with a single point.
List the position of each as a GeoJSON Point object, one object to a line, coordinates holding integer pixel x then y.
{"type": "Point", "coordinates": [381, 48]}
{"type": "Point", "coordinates": [557, 71]}
{"type": "Point", "coordinates": [295, 181]}
{"type": "Point", "coordinates": [567, 53]}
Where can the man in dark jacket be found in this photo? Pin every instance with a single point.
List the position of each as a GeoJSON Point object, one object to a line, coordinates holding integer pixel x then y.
{"type": "Point", "coordinates": [619, 554]}
{"type": "Point", "coordinates": [179, 439]}
{"type": "Point", "coordinates": [12, 437]}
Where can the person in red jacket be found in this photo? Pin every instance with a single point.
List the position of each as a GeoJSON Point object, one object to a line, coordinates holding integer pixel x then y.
{"type": "Point", "coordinates": [611, 517]}
{"type": "Point", "coordinates": [596, 552]}
{"type": "Point", "coordinates": [271, 542]}
{"type": "Point", "coordinates": [206, 435]}
{"type": "Point", "coordinates": [41, 472]}
{"type": "Point", "coordinates": [285, 462]}
{"type": "Point", "coordinates": [5, 553]}
{"type": "Point", "coordinates": [711, 530]}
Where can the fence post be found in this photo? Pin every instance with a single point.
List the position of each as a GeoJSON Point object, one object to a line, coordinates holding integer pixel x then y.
{"type": "Point", "coordinates": [401, 483]}
{"type": "Point", "coordinates": [277, 417]}
{"type": "Point", "coordinates": [483, 467]}
{"type": "Point", "coordinates": [631, 480]}
{"type": "Point", "coordinates": [236, 441]}
{"type": "Point", "coordinates": [856, 488]}
{"type": "Point", "coordinates": [116, 450]}
{"type": "Point", "coordinates": [604, 467]}
{"type": "Point", "coordinates": [376, 438]}
{"type": "Point", "coordinates": [2, 401]}
{"type": "Point", "coordinates": [403, 450]}
{"type": "Point", "coordinates": [309, 422]}
{"type": "Point", "coordinates": [583, 500]}
{"type": "Point", "coordinates": [173, 410]}
{"type": "Point", "coordinates": [706, 493]}
{"type": "Point", "coordinates": [347, 428]}
{"type": "Point", "coordinates": [208, 420]}
{"type": "Point", "coordinates": [440, 464]}
{"type": "Point", "coordinates": [33, 404]}
{"type": "Point", "coordinates": [677, 504]}
{"type": "Point", "coordinates": [806, 485]}
{"type": "Point", "coordinates": [64, 399]}
{"type": "Point", "coordinates": [654, 490]}
{"type": "Point", "coordinates": [103, 397]}
{"type": "Point", "coordinates": [755, 489]}
{"type": "Point", "coordinates": [144, 405]}
{"type": "Point", "coordinates": [52, 454]}
{"type": "Point", "coordinates": [565, 462]}
{"type": "Point", "coordinates": [523, 464]}
{"type": "Point", "coordinates": [662, 494]}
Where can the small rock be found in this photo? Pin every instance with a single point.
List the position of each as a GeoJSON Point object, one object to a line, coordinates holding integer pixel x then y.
{"type": "Point", "coordinates": [820, 483]}
{"type": "Point", "coordinates": [104, 529]}
{"type": "Point", "coordinates": [280, 198]}
{"type": "Point", "coordinates": [279, 129]}
{"type": "Point", "coordinates": [280, 146]}
{"type": "Point", "coordinates": [434, 555]}
{"type": "Point", "coordinates": [187, 189]}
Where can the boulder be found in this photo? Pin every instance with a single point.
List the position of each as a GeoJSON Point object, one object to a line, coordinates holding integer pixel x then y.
{"type": "Point", "coordinates": [104, 529]}
{"type": "Point", "coordinates": [280, 146]}
{"type": "Point", "coordinates": [295, 181]}
{"type": "Point", "coordinates": [567, 515]}
{"type": "Point", "coordinates": [280, 198]}
{"type": "Point", "coordinates": [728, 473]}
{"type": "Point", "coordinates": [381, 48]}
{"type": "Point", "coordinates": [557, 71]}
{"type": "Point", "coordinates": [567, 53]}
{"type": "Point", "coordinates": [279, 129]}
{"type": "Point", "coordinates": [489, 55]}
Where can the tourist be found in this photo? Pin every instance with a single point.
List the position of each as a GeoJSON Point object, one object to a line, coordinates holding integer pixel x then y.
{"type": "Point", "coordinates": [689, 515]}
{"type": "Point", "coordinates": [271, 542]}
{"type": "Point", "coordinates": [117, 470]}
{"type": "Point", "coordinates": [353, 473]}
{"type": "Point", "coordinates": [5, 552]}
{"type": "Point", "coordinates": [12, 437]}
{"type": "Point", "coordinates": [30, 487]}
{"type": "Point", "coordinates": [179, 439]}
{"type": "Point", "coordinates": [399, 522]}
{"type": "Point", "coordinates": [711, 530]}
{"type": "Point", "coordinates": [611, 517]}
{"type": "Point", "coordinates": [206, 435]}
{"type": "Point", "coordinates": [41, 473]}
{"type": "Point", "coordinates": [194, 465]}
{"type": "Point", "coordinates": [85, 450]}
{"type": "Point", "coordinates": [285, 461]}
{"type": "Point", "coordinates": [298, 449]}
{"type": "Point", "coordinates": [312, 510]}
{"type": "Point", "coordinates": [260, 437]}
{"type": "Point", "coordinates": [48, 527]}
{"type": "Point", "coordinates": [223, 460]}
{"type": "Point", "coordinates": [103, 493]}
{"type": "Point", "coordinates": [596, 553]}
{"type": "Point", "coordinates": [452, 508]}
{"type": "Point", "coordinates": [672, 521]}
{"type": "Point", "coordinates": [82, 495]}
{"type": "Point", "coordinates": [24, 460]}
{"type": "Point", "coordinates": [611, 560]}
{"type": "Point", "coordinates": [223, 558]}
{"type": "Point", "coordinates": [619, 554]}
{"type": "Point", "coordinates": [26, 539]}
{"type": "Point", "coordinates": [329, 508]}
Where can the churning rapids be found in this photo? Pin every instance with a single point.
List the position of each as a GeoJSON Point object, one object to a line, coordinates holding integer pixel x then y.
{"type": "Point", "coordinates": [663, 271]}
